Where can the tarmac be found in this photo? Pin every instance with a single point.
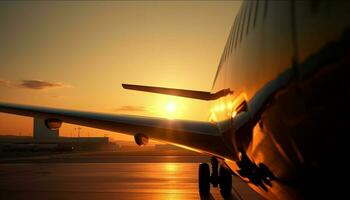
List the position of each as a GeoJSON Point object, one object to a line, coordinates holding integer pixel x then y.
{"type": "Point", "coordinates": [74, 177]}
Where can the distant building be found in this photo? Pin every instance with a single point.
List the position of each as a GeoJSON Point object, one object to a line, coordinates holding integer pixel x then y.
{"type": "Point", "coordinates": [17, 143]}
{"type": "Point", "coordinates": [47, 140]}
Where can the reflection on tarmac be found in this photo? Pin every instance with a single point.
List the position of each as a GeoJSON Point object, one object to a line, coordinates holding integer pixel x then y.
{"type": "Point", "coordinates": [211, 197]}
{"type": "Point", "coordinates": [101, 181]}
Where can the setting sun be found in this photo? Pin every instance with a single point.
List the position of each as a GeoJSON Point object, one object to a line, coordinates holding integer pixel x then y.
{"type": "Point", "coordinates": [170, 107]}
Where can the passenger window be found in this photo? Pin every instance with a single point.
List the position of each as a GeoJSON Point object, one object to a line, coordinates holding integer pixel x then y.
{"type": "Point", "coordinates": [239, 21]}
{"type": "Point", "coordinates": [224, 54]}
{"type": "Point", "coordinates": [234, 32]}
{"type": "Point", "coordinates": [265, 9]}
{"type": "Point", "coordinates": [230, 40]}
{"type": "Point", "coordinates": [243, 22]}
{"type": "Point", "coordinates": [256, 12]}
{"type": "Point", "coordinates": [250, 5]}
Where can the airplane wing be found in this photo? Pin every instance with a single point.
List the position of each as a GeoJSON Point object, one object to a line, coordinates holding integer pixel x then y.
{"type": "Point", "coordinates": [195, 135]}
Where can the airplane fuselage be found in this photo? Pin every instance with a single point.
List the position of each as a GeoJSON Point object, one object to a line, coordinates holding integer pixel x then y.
{"type": "Point", "coordinates": [287, 65]}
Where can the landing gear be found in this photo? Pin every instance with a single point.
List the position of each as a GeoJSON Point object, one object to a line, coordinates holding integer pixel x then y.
{"type": "Point", "coordinates": [214, 178]}
{"type": "Point", "coordinates": [221, 178]}
{"type": "Point", "coordinates": [225, 182]}
{"type": "Point", "coordinates": [204, 179]}
{"type": "Point", "coordinates": [259, 175]}
{"type": "Point", "coordinates": [265, 171]}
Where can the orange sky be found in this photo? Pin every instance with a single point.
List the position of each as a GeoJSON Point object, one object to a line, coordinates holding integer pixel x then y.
{"type": "Point", "coordinates": [75, 55]}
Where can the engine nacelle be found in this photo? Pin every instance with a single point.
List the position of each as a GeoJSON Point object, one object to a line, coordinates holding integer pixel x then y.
{"type": "Point", "coordinates": [141, 139]}
{"type": "Point", "coordinates": [53, 124]}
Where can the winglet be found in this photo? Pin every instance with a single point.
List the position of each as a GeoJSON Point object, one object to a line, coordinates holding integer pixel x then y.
{"type": "Point", "coordinates": [180, 92]}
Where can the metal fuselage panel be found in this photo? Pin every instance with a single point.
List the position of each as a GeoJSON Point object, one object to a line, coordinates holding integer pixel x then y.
{"type": "Point", "coordinates": [284, 59]}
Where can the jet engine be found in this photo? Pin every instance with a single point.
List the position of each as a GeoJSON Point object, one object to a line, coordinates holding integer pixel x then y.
{"type": "Point", "coordinates": [141, 139]}
{"type": "Point", "coordinates": [53, 124]}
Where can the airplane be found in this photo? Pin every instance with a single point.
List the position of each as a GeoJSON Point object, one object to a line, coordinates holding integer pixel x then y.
{"type": "Point", "coordinates": [279, 103]}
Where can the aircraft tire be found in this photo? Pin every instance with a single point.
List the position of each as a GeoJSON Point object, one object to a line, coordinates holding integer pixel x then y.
{"type": "Point", "coordinates": [225, 182]}
{"type": "Point", "coordinates": [204, 179]}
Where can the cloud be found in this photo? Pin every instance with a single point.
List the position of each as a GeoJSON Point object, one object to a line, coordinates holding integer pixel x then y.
{"type": "Point", "coordinates": [4, 83]}
{"type": "Point", "coordinates": [131, 109]}
{"type": "Point", "coordinates": [57, 96]}
{"type": "Point", "coordinates": [39, 85]}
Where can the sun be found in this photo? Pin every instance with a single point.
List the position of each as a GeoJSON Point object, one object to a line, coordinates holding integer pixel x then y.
{"type": "Point", "coordinates": [170, 107]}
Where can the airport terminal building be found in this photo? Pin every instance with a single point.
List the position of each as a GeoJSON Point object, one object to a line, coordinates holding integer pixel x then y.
{"type": "Point", "coordinates": [49, 140]}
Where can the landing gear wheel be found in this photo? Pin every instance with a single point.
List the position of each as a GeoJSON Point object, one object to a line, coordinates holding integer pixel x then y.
{"type": "Point", "coordinates": [225, 182]}
{"type": "Point", "coordinates": [214, 178]}
{"type": "Point", "coordinates": [266, 171]}
{"type": "Point", "coordinates": [204, 179]}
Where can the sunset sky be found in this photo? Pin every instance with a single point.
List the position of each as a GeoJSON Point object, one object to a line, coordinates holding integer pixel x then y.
{"type": "Point", "coordinates": [76, 55]}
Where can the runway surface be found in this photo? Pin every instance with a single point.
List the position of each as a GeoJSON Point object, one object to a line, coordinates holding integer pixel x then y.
{"type": "Point", "coordinates": [129, 181]}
